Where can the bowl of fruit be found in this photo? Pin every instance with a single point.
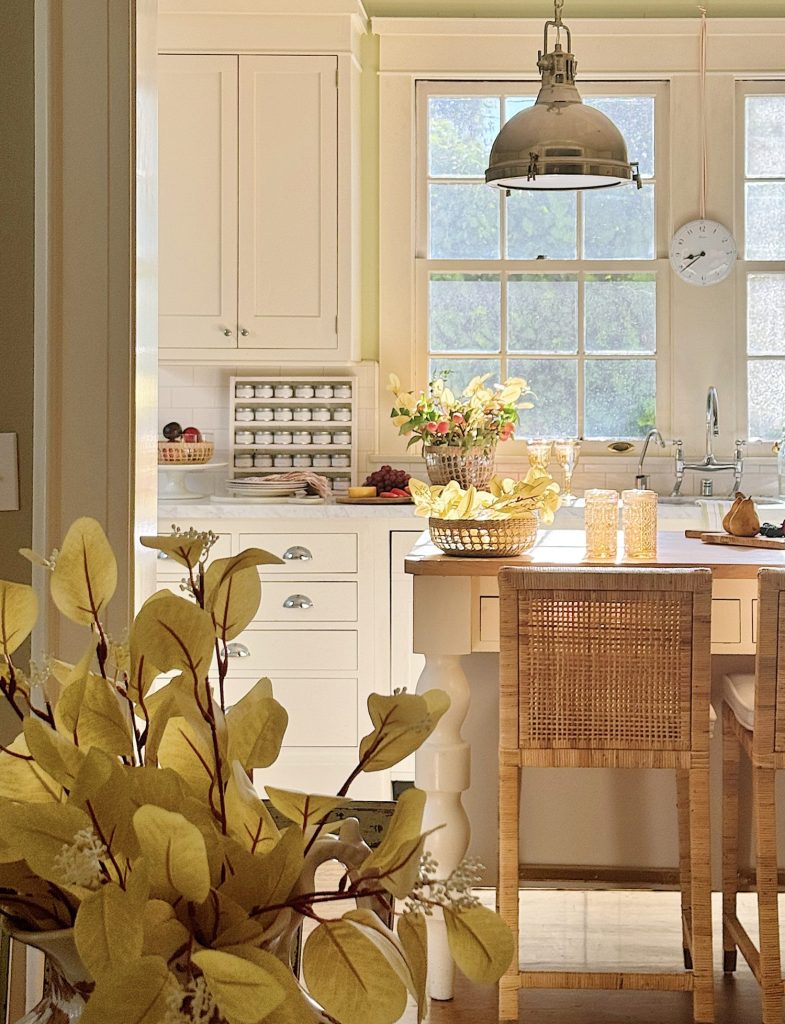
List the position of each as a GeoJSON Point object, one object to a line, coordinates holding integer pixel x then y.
{"type": "Point", "coordinates": [383, 486]}
{"type": "Point", "coordinates": [184, 447]}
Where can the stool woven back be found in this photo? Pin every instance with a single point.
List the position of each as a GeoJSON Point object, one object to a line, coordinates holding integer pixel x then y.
{"type": "Point", "coordinates": [769, 731]}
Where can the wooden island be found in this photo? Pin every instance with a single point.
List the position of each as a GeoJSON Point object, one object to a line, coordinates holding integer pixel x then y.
{"type": "Point", "coordinates": [456, 613]}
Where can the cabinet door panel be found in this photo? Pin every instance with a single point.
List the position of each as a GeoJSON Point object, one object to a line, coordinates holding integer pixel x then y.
{"type": "Point", "coordinates": [197, 183]}
{"type": "Point", "coordinates": [288, 231]}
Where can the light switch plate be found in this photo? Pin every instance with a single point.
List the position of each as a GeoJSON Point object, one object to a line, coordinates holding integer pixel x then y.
{"type": "Point", "coordinates": [9, 474]}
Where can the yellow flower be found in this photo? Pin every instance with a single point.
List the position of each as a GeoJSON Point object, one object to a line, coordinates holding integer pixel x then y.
{"type": "Point", "coordinates": [393, 384]}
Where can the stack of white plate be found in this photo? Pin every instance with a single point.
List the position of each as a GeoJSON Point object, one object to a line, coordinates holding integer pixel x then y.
{"type": "Point", "coordinates": [262, 487]}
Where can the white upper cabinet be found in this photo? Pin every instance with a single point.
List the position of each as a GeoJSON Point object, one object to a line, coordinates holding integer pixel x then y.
{"type": "Point", "coordinates": [197, 187]}
{"type": "Point", "coordinates": [256, 250]}
{"type": "Point", "coordinates": [288, 229]}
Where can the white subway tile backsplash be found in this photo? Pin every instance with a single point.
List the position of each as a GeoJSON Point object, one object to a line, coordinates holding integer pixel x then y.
{"type": "Point", "coordinates": [175, 376]}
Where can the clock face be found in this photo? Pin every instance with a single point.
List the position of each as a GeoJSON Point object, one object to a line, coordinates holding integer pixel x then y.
{"type": "Point", "coordinates": [703, 252]}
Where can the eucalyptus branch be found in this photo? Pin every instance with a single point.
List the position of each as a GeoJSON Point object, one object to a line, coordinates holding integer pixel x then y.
{"type": "Point", "coordinates": [11, 898]}
{"type": "Point", "coordinates": [217, 757]}
{"type": "Point", "coordinates": [9, 688]}
{"type": "Point", "coordinates": [13, 753]}
{"type": "Point", "coordinates": [107, 843]}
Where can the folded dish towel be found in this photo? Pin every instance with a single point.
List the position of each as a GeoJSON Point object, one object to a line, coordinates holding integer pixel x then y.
{"type": "Point", "coordinates": [319, 484]}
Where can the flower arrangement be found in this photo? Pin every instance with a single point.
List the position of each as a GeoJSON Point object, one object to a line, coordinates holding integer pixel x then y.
{"type": "Point", "coordinates": [129, 817]}
{"type": "Point", "coordinates": [478, 418]}
{"type": "Point", "coordinates": [506, 499]}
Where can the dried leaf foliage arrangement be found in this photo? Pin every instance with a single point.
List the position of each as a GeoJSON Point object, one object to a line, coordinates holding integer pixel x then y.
{"type": "Point", "coordinates": [506, 499]}
{"type": "Point", "coordinates": [129, 816]}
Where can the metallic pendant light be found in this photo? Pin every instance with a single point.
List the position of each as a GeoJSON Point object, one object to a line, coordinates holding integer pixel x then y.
{"type": "Point", "coordinates": [559, 143]}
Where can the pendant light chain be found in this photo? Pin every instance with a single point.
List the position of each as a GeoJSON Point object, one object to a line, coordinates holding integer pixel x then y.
{"type": "Point", "coordinates": [704, 179]}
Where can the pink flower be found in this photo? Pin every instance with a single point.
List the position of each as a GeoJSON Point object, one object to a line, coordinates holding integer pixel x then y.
{"type": "Point", "coordinates": [457, 418]}
{"type": "Point", "coordinates": [442, 427]}
{"type": "Point", "coordinates": [431, 428]}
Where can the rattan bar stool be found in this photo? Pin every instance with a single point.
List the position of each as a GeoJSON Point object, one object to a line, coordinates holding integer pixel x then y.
{"type": "Point", "coordinates": [608, 668]}
{"type": "Point", "coordinates": [753, 720]}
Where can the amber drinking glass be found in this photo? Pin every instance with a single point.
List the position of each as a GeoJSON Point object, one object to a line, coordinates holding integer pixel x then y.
{"type": "Point", "coordinates": [539, 452]}
{"type": "Point", "coordinates": [602, 524]}
{"type": "Point", "coordinates": [567, 453]}
{"type": "Point", "coordinates": [639, 521]}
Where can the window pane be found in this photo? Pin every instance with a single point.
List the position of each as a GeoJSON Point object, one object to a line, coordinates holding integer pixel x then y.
{"type": "Point", "coordinates": [619, 397]}
{"type": "Point", "coordinates": [766, 398]}
{"type": "Point", "coordinates": [619, 223]}
{"type": "Point", "coordinates": [464, 313]}
{"type": "Point", "coordinates": [766, 314]}
{"type": "Point", "coordinates": [541, 224]}
{"type": "Point", "coordinates": [464, 222]}
{"type": "Point", "coordinates": [461, 130]}
{"type": "Point", "coordinates": [555, 386]}
{"type": "Point", "coordinates": [765, 221]}
{"type": "Point", "coordinates": [621, 313]}
{"type": "Point", "coordinates": [515, 104]}
{"type": "Point", "coordinates": [542, 313]}
{"type": "Point", "coordinates": [463, 370]}
{"type": "Point", "coordinates": [634, 117]}
{"type": "Point", "coordinates": [765, 136]}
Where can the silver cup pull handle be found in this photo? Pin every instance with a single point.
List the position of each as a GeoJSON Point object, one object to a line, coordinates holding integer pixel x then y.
{"type": "Point", "coordinates": [297, 554]}
{"type": "Point", "coordinates": [162, 556]}
{"type": "Point", "coordinates": [298, 601]}
{"type": "Point", "coordinates": [235, 650]}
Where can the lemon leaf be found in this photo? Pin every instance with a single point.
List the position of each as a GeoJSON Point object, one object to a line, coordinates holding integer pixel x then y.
{"type": "Point", "coordinates": [85, 574]}
{"type": "Point", "coordinates": [303, 809]}
{"type": "Point", "coordinates": [134, 993]}
{"type": "Point", "coordinates": [175, 853]}
{"type": "Point", "coordinates": [246, 992]}
{"type": "Point", "coordinates": [172, 633]}
{"type": "Point", "coordinates": [402, 723]}
{"type": "Point", "coordinates": [41, 831]}
{"type": "Point", "coordinates": [256, 725]}
{"type": "Point", "coordinates": [109, 929]}
{"type": "Point", "coordinates": [480, 942]}
{"type": "Point", "coordinates": [101, 722]}
{"type": "Point", "coordinates": [58, 756]}
{"type": "Point", "coordinates": [414, 939]}
{"type": "Point", "coordinates": [180, 548]}
{"type": "Point", "coordinates": [22, 779]}
{"type": "Point", "coordinates": [18, 614]}
{"type": "Point", "coordinates": [247, 818]}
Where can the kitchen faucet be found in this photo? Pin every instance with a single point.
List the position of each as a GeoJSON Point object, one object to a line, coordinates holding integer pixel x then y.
{"type": "Point", "coordinates": [642, 480]}
{"type": "Point", "coordinates": [710, 463]}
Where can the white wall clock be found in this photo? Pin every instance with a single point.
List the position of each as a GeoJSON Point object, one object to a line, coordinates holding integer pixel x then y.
{"type": "Point", "coordinates": [703, 252]}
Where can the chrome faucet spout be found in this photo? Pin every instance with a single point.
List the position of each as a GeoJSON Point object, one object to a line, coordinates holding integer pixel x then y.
{"type": "Point", "coordinates": [641, 480]}
{"type": "Point", "coordinates": [712, 422]}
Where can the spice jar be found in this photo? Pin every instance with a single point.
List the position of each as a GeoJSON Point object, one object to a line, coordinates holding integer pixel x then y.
{"type": "Point", "coordinates": [342, 437]}
{"type": "Point", "coordinates": [282, 462]}
{"type": "Point", "coordinates": [321, 414]}
{"type": "Point", "coordinates": [282, 437]}
{"type": "Point", "coordinates": [243, 437]}
{"type": "Point", "coordinates": [340, 484]}
{"type": "Point", "coordinates": [342, 390]}
{"type": "Point", "coordinates": [283, 415]}
{"type": "Point", "coordinates": [303, 391]}
{"type": "Point", "coordinates": [262, 461]}
{"type": "Point", "coordinates": [243, 414]}
{"type": "Point", "coordinates": [263, 437]}
{"type": "Point", "coordinates": [342, 414]}
{"type": "Point", "coordinates": [340, 461]}
{"type": "Point", "coordinates": [321, 437]}
{"type": "Point", "coordinates": [263, 412]}
{"type": "Point", "coordinates": [323, 391]}
{"type": "Point", "coordinates": [302, 414]}
{"type": "Point", "coordinates": [263, 391]}
{"type": "Point", "coordinates": [301, 436]}
{"type": "Point", "coordinates": [320, 461]}
{"type": "Point", "coordinates": [243, 391]}
{"type": "Point", "coordinates": [283, 391]}
{"type": "Point", "coordinates": [301, 461]}
{"type": "Point", "coordinates": [243, 461]}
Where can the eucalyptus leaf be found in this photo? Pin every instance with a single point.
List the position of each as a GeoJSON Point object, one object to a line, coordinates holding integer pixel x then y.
{"type": "Point", "coordinates": [109, 929]}
{"type": "Point", "coordinates": [256, 882]}
{"type": "Point", "coordinates": [164, 935]}
{"type": "Point", "coordinates": [58, 756]}
{"type": "Point", "coordinates": [295, 1009]}
{"type": "Point", "coordinates": [222, 570]}
{"type": "Point", "coordinates": [234, 603]}
{"type": "Point", "coordinates": [85, 574]}
{"type": "Point", "coordinates": [402, 722]}
{"type": "Point", "coordinates": [18, 614]}
{"type": "Point", "coordinates": [248, 819]}
{"type": "Point", "coordinates": [413, 934]}
{"type": "Point", "coordinates": [190, 754]}
{"type": "Point", "coordinates": [175, 854]}
{"type": "Point", "coordinates": [180, 548]}
{"type": "Point", "coordinates": [396, 861]}
{"type": "Point", "coordinates": [173, 633]}
{"type": "Point", "coordinates": [256, 725]}
{"type": "Point", "coordinates": [102, 722]}
{"type": "Point", "coordinates": [246, 992]}
{"type": "Point", "coordinates": [350, 976]}
{"type": "Point", "coordinates": [23, 779]}
{"type": "Point", "coordinates": [304, 809]}
{"type": "Point", "coordinates": [480, 942]}
{"type": "Point", "coordinates": [42, 832]}
{"type": "Point", "coordinates": [136, 992]}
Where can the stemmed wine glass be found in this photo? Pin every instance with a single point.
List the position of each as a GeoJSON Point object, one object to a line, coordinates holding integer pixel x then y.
{"type": "Point", "coordinates": [566, 453]}
{"type": "Point", "coordinates": [539, 452]}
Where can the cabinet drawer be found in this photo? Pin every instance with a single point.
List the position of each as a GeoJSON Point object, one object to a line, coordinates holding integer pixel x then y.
{"type": "Point", "coordinates": [726, 620]}
{"type": "Point", "coordinates": [297, 650]}
{"type": "Point", "coordinates": [306, 552]}
{"type": "Point", "coordinates": [167, 568]}
{"type": "Point", "coordinates": [311, 704]}
{"type": "Point", "coordinates": [308, 601]}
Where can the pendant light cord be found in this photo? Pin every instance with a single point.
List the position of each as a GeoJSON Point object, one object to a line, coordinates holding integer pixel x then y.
{"type": "Point", "coordinates": [704, 179]}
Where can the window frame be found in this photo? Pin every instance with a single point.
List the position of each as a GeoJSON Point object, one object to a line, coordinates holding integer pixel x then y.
{"type": "Point", "coordinates": [659, 266]}
{"type": "Point", "coordinates": [749, 87]}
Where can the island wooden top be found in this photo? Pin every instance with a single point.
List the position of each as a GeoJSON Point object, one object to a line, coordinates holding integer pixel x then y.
{"type": "Point", "coordinates": [568, 548]}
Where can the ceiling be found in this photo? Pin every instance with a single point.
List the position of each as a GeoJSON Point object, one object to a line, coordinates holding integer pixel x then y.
{"type": "Point", "coordinates": [573, 8]}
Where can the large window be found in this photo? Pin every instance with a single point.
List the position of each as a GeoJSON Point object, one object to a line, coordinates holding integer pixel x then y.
{"type": "Point", "coordinates": [563, 289]}
{"type": "Point", "coordinates": [764, 253]}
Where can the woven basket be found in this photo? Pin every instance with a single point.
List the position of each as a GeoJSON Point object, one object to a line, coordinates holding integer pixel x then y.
{"type": "Point", "coordinates": [182, 453]}
{"type": "Point", "coordinates": [484, 538]}
{"type": "Point", "coordinates": [445, 463]}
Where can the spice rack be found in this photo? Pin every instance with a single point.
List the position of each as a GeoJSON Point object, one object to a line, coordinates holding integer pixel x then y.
{"type": "Point", "coordinates": [263, 413]}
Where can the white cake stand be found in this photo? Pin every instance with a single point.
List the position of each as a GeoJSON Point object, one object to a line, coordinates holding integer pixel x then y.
{"type": "Point", "coordinates": [173, 479]}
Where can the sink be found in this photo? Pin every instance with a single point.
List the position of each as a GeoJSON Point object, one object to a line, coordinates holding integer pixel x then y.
{"type": "Point", "coordinates": [694, 499]}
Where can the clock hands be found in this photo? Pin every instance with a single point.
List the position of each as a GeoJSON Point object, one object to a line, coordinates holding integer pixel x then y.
{"type": "Point", "coordinates": [692, 259]}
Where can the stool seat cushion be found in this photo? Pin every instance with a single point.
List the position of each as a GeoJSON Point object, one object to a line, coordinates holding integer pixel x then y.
{"type": "Point", "coordinates": [738, 692]}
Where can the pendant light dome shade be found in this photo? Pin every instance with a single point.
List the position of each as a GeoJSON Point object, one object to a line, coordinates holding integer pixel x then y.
{"type": "Point", "coordinates": [559, 143]}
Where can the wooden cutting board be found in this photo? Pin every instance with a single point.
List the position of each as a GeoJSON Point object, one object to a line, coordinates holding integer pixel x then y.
{"type": "Point", "coordinates": [737, 542]}
{"type": "Point", "coordinates": [373, 501]}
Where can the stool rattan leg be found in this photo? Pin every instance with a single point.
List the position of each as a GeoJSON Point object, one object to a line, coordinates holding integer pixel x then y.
{"type": "Point", "coordinates": [700, 872]}
{"type": "Point", "coordinates": [731, 752]}
{"type": "Point", "coordinates": [685, 883]}
{"type": "Point", "coordinates": [766, 883]}
{"type": "Point", "coordinates": [507, 892]}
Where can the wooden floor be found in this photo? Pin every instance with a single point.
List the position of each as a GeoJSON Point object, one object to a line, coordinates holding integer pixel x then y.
{"type": "Point", "coordinates": [600, 930]}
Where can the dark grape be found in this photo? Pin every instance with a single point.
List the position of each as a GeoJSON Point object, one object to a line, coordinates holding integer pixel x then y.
{"type": "Point", "coordinates": [386, 478]}
{"type": "Point", "coordinates": [172, 431]}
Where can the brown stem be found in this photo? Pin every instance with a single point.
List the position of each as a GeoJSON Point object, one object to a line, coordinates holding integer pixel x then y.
{"type": "Point", "coordinates": [107, 843]}
{"type": "Point", "coordinates": [13, 753]}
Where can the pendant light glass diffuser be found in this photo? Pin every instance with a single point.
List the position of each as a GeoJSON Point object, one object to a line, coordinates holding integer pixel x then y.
{"type": "Point", "coordinates": [559, 143]}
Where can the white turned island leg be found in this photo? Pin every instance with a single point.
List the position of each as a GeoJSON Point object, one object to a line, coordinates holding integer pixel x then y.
{"type": "Point", "coordinates": [442, 633]}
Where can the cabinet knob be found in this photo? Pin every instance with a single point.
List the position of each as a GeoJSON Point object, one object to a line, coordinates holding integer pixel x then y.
{"type": "Point", "coordinates": [298, 601]}
{"type": "Point", "coordinates": [297, 554]}
{"type": "Point", "coordinates": [235, 650]}
{"type": "Point", "coordinates": [227, 332]}
{"type": "Point", "coordinates": [162, 556]}
{"type": "Point", "coordinates": [244, 332]}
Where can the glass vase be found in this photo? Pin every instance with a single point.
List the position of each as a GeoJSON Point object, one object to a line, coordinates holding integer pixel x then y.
{"type": "Point", "coordinates": [639, 521]}
{"type": "Point", "coordinates": [601, 518]}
